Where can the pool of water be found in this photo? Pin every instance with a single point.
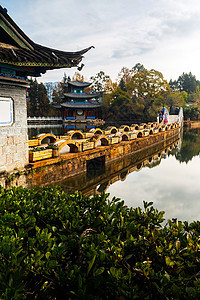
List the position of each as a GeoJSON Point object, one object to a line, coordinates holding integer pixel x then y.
{"type": "Point", "coordinates": [170, 179]}
{"type": "Point", "coordinates": [173, 185]}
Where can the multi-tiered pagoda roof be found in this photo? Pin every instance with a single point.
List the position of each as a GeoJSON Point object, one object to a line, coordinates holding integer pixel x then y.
{"type": "Point", "coordinates": [75, 94]}
{"type": "Point", "coordinates": [78, 104]}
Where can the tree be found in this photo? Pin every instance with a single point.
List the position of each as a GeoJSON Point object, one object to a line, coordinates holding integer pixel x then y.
{"type": "Point", "coordinates": [57, 92]}
{"type": "Point", "coordinates": [147, 84]}
{"type": "Point", "coordinates": [122, 85]}
{"type": "Point", "coordinates": [140, 94]}
{"type": "Point", "coordinates": [32, 99]}
{"type": "Point", "coordinates": [120, 97]}
{"type": "Point", "coordinates": [110, 86]}
{"type": "Point", "coordinates": [190, 113]}
{"type": "Point", "coordinates": [195, 97]}
{"type": "Point", "coordinates": [49, 88]}
{"type": "Point", "coordinates": [125, 74]}
{"type": "Point", "coordinates": [138, 68]}
{"type": "Point", "coordinates": [38, 102]}
{"type": "Point", "coordinates": [187, 82]}
{"type": "Point", "coordinates": [118, 106]}
{"type": "Point", "coordinates": [148, 90]}
{"type": "Point", "coordinates": [43, 101]}
{"type": "Point", "coordinates": [173, 85]}
{"type": "Point", "coordinates": [98, 82]}
{"type": "Point", "coordinates": [174, 99]}
{"type": "Point", "coordinates": [77, 76]}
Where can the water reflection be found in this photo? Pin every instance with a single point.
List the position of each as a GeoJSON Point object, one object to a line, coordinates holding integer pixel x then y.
{"type": "Point", "coordinates": [100, 178]}
{"type": "Point", "coordinates": [59, 129]}
{"type": "Point", "coordinates": [190, 146]}
{"type": "Point", "coordinates": [173, 186]}
{"type": "Point", "coordinates": [167, 175]}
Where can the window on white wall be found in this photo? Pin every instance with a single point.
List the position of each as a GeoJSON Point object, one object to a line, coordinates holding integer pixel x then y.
{"type": "Point", "coordinates": [6, 111]}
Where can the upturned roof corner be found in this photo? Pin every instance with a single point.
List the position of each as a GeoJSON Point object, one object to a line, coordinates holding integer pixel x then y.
{"type": "Point", "coordinates": [18, 50]}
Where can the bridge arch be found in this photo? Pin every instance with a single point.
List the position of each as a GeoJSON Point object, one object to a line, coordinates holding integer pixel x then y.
{"type": "Point", "coordinates": [111, 129]}
{"type": "Point", "coordinates": [124, 128]}
{"type": "Point", "coordinates": [151, 131]}
{"type": "Point", "coordinates": [139, 166]}
{"type": "Point", "coordinates": [124, 137]}
{"type": "Point", "coordinates": [161, 128]}
{"type": "Point", "coordinates": [67, 146]}
{"type": "Point", "coordinates": [46, 138]}
{"type": "Point", "coordinates": [143, 125]}
{"type": "Point", "coordinates": [151, 125]}
{"type": "Point", "coordinates": [76, 135]}
{"type": "Point", "coordinates": [123, 175]}
{"type": "Point", "coordinates": [134, 127]}
{"type": "Point", "coordinates": [96, 131]}
{"type": "Point", "coordinates": [102, 140]}
{"type": "Point", "coordinates": [103, 187]}
{"type": "Point", "coordinates": [139, 134]}
{"type": "Point", "coordinates": [150, 159]}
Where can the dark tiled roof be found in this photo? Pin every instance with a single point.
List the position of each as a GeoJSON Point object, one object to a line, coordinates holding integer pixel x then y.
{"type": "Point", "coordinates": [78, 83]}
{"type": "Point", "coordinates": [81, 105]}
{"type": "Point", "coordinates": [81, 96]}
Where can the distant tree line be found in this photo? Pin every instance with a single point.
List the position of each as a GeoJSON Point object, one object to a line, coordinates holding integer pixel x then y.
{"type": "Point", "coordinates": [42, 98]}
{"type": "Point", "coordinates": [38, 101]}
{"type": "Point", "coordinates": [138, 94]}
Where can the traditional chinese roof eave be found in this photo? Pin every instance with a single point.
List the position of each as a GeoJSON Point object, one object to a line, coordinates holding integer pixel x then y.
{"type": "Point", "coordinates": [81, 96]}
{"type": "Point", "coordinates": [17, 49]}
{"type": "Point", "coordinates": [79, 84]}
{"type": "Point", "coordinates": [80, 105]}
{"type": "Point", "coordinates": [40, 57]}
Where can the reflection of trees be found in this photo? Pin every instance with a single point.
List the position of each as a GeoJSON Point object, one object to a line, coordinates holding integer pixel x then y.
{"type": "Point", "coordinates": [190, 146]}
{"type": "Point", "coordinates": [98, 178]}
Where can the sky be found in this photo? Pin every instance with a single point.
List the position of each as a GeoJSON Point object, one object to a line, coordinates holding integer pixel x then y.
{"type": "Point", "coordinates": [160, 34]}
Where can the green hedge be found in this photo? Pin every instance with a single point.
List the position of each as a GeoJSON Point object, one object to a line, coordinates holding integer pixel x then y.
{"type": "Point", "coordinates": [59, 246]}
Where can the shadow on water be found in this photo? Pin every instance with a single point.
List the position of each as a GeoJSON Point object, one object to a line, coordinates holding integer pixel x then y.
{"type": "Point", "coordinates": [95, 167]}
{"type": "Point", "coordinates": [100, 176]}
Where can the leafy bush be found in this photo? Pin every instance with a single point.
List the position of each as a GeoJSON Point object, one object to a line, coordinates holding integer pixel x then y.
{"type": "Point", "coordinates": [59, 246]}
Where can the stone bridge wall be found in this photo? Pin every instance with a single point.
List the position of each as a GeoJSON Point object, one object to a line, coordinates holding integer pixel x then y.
{"type": "Point", "coordinates": [70, 164]}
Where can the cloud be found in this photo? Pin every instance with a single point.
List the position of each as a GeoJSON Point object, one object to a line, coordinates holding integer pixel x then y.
{"type": "Point", "coordinates": [159, 34]}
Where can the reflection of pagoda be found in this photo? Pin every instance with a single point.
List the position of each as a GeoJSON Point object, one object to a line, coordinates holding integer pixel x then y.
{"type": "Point", "coordinates": [77, 104]}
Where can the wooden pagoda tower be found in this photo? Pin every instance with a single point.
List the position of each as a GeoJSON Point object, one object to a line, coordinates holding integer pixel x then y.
{"type": "Point", "coordinates": [20, 57]}
{"type": "Point", "coordinates": [78, 105]}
